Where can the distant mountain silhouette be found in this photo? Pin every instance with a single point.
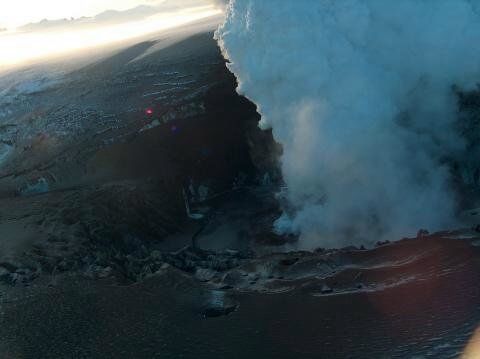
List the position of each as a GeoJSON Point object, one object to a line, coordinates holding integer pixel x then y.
{"type": "Point", "coordinates": [110, 17]}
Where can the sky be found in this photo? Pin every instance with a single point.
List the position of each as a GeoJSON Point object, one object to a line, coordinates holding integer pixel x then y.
{"type": "Point", "coordinates": [14, 13]}
{"type": "Point", "coordinates": [35, 29]}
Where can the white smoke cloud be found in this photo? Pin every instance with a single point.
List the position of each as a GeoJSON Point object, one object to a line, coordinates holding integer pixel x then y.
{"type": "Point", "coordinates": [358, 92]}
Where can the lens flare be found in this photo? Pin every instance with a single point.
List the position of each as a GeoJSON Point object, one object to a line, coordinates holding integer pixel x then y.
{"type": "Point", "coordinates": [472, 350]}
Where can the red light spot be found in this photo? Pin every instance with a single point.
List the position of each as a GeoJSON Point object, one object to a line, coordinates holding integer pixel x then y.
{"type": "Point", "coordinates": [149, 111]}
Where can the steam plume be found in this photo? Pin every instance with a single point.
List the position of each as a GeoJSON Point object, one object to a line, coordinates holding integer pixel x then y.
{"type": "Point", "coordinates": [358, 92]}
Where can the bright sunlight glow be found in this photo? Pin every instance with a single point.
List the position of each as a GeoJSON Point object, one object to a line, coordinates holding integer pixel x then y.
{"type": "Point", "coordinates": [14, 13]}
{"type": "Point", "coordinates": [19, 48]}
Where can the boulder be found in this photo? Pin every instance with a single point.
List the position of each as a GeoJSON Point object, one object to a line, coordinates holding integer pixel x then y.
{"type": "Point", "coordinates": [204, 274]}
{"type": "Point", "coordinates": [326, 289]}
{"type": "Point", "coordinates": [214, 312]}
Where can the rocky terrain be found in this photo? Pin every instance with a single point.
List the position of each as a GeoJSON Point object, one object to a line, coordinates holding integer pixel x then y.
{"type": "Point", "coordinates": [136, 210]}
{"type": "Point", "coordinates": [112, 151]}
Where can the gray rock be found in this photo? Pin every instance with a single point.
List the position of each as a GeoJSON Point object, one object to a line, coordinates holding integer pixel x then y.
{"type": "Point", "coordinates": [204, 274]}
{"type": "Point", "coordinates": [326, 289]}
{"type": "Point", "coordinates": [232, 278]}
{"type": "Point", "coordinates": [104, 272]}
{"type": "Point", "coordinates": [214, 312]}
{"type": "Point", "coordinates": [157, 255]}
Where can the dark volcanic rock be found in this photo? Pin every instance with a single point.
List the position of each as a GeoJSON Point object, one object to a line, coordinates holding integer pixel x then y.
{"type": "Point", "coordinates": [219, 311]}
{"type": "Point", "coordinates": [112, 182]}
{"type": "Point", "coordinates": [289, 261]}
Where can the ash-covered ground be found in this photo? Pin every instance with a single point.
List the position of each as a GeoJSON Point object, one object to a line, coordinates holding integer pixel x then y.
{"type": "Point", "coordinates": [136, 211]}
